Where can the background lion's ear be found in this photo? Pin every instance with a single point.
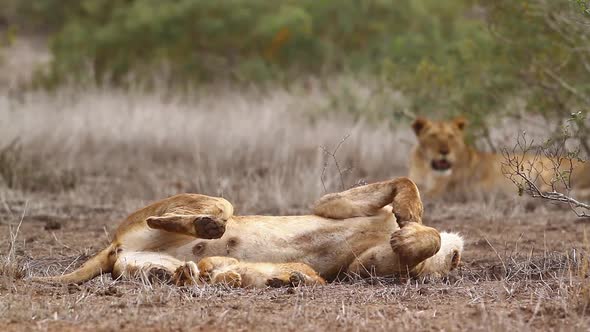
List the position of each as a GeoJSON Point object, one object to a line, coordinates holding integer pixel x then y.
{"type": "Point", "coordinates": [460, 122]}
{"type": "Point", "coordinates": [419, 124]}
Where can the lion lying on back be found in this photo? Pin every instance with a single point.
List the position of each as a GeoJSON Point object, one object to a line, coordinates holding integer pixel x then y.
{"type": "Point", "coordinates": [371, 230]}
{"type": "Point", "coordinates": [442, 163]}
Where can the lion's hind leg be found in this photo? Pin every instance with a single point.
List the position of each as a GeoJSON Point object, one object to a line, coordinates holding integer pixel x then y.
{"type": "Point", "coordinates": [199, 226]}
{"type": "Point", "coordinates": [231, 272]}
{"type": "Point", "coordinates": [369, 199]}
{"type": "Point", "coordinates": [154, 267]}
{"type": "Point", "coordinates": [291, 275]}
{"type": "Point", "coordinates": [302, 274]}
{"type": "Point", "coordinates": [220, 270]}
{"type": "Point", "coordinates": [195, 215]}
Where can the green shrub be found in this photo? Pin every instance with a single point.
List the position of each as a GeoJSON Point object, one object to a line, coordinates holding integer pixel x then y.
{"type": "Point", "coordinates": [251, 39]}
{"type": "Point", "coordinates": [447, 57]}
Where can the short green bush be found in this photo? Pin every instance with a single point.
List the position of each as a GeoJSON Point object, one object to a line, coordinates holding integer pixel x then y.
{"type": "Point", "coordinates": [448, 57]}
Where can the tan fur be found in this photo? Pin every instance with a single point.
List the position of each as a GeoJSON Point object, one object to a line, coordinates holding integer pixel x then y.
{"type": "Point", "coordinates": [166, 237]}
{"type": "Point", "coordinates": [230, 271]}
{"type": "Point", "coordinates": [471, 170]}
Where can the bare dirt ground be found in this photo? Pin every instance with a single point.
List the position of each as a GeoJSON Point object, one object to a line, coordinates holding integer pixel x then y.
{"type": "Point", "coordinates": [75, 163]}
{"type": "Point", "coordinates": [519, 271]}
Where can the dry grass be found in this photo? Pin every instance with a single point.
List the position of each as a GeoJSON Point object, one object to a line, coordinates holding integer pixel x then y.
{"type": "Point", "coordinates": [523, 269]}
{"type": "Point", "coordinates": [261, 150]}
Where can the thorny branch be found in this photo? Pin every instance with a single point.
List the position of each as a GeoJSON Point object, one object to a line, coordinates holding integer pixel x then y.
{"type": "Point", "coordinates": [544, 172]}
{"type": "Point", "coordinates": [332, 154]}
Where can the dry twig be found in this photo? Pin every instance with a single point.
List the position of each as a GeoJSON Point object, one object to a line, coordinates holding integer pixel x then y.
{"type": "Point", "coordinates": [526, 166]}
{"type": "Point", "coordinates": [332, 154]}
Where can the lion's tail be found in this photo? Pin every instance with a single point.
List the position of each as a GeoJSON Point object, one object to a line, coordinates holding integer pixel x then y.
{"type": "Point", "coordinates": [100, 263]}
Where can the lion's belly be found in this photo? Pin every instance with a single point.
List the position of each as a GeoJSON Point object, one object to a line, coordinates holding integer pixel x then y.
{"type": "Point", "coordinates": [327, 245]}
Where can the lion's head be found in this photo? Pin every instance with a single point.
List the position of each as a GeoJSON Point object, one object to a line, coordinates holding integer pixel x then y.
{"type": "Point", "coordinates": [448, 256]}
{"type": "Point", "coordinates": [441, 143]}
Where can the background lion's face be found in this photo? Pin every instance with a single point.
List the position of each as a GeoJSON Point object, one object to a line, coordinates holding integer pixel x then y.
{"type": "Point", "coordinates": [441, 143]}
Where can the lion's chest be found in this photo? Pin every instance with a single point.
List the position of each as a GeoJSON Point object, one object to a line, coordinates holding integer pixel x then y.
{"type": "Point", "coordinates": [322, 243]}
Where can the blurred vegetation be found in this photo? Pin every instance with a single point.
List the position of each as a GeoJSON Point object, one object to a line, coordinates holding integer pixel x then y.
{"type": "Point", "coordinates": [254, 39]}
{"type": "Point", "coordinates": [19, 170]}
{"type": "Point", "coordinates": [448, 57]}
{"type": "Point", "coordinates": [545, 50]}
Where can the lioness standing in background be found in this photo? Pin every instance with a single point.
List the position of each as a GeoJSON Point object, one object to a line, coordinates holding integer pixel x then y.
{"type": "Point", "coordinates": [442, 163]}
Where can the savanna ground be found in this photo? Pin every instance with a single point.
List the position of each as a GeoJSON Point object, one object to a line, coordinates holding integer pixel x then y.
{"type": "Point", "coordinates": [76, 161]}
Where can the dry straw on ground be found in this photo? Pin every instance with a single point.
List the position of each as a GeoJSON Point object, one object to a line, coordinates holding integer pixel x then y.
{"type": "Point", "coordinates": [86, 158]}
{"type": "Point", "coordinates": [253, 147]}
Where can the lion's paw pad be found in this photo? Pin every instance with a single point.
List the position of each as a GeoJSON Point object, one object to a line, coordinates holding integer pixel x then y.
{"type": "Point", "coordinates": [296, 279]}
{"type": "Point", "coordinates": [186, 275]}
{"type": "Point", "coordinates": [158, 274]}
{"type": "Point", "coordinates": [276, 283]}
{"type": "Point", "coordinates": [209, 228]}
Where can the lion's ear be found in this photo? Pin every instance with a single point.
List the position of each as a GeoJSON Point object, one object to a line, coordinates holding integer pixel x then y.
{"type": "Point", "coordinates": [460, 122]}
{"type": "Point", "coordinates": [419, 124]}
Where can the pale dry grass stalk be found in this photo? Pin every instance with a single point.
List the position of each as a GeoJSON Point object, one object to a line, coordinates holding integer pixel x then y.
{"type": "Point", "coordinates": [11, 266]}
{"type": "Point", "coordinates": [261, 149]}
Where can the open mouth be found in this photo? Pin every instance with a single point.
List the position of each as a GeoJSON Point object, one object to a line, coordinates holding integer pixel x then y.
{"type": "Point", "coordinates": [441, 165]}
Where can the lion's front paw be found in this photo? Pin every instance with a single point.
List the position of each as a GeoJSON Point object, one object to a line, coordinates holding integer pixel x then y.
{"type": "Point", "coordinates": [402, 240]}
{"type": "Point", "coordinates": [414, 243]}
{"type": "Point", "coordinates": [158, 274]}
{"type": "Point", "coordinates": [293, 279]}
{"type": "Point", "coordinates": [404, 220]}
{"type": "Point", "coordinates": [229, 278]}
{"type": "Point", "coordinates": [205, 270]}
{"type": "Point", "coordinates": [278, 282]}
{"type": "Point", "coordinates": [186, 275]}
{"type": "Point", "coordinates": [209, 228]}
{"type": "Point", "coordinates": [296, 279]}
